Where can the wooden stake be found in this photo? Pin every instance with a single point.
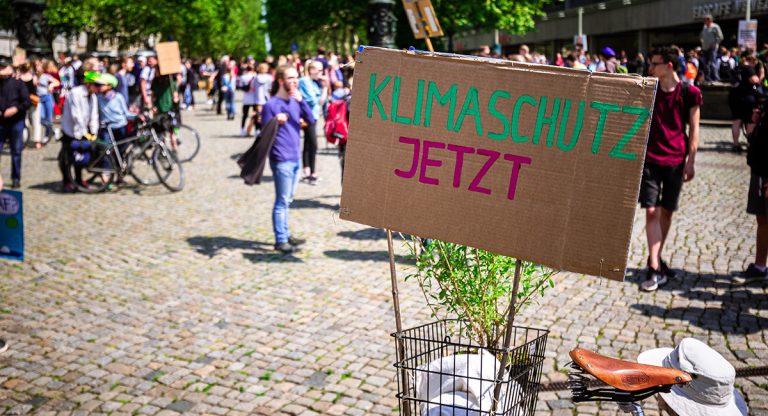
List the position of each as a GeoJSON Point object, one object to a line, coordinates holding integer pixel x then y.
{"type": "Point", "coordinates": [398, 321]}
{"type": "Point", "coordinates": [429, 44]}
{"type": "Point", "coordinates": [507, 335]}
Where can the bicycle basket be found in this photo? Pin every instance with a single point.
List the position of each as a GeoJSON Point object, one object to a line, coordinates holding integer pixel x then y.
{"type": "Point", "coordinates": [442, 371]}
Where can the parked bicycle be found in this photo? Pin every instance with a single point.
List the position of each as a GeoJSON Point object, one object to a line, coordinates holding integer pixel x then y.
{"type": "Point", "coordinates": [101, 163]}
{"type": "Point", "coordinates": [187, 138]}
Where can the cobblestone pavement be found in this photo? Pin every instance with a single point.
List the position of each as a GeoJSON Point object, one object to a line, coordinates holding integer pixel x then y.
{"type": "Point", "coordinates": [145, 302]}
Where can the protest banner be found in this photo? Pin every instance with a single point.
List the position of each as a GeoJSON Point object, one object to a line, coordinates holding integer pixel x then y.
{"type": "Point", "coordinates": [747, 37]}
{"type": "Point", "coordinates": [539, 163]}
{"type": "Point", "coordinates": [11, 225]}
{"type": "Point", "coordinates": [168, 58]}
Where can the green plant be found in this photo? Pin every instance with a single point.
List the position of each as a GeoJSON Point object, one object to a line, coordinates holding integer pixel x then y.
{"type": "Point", "coordinates": [475, 286]}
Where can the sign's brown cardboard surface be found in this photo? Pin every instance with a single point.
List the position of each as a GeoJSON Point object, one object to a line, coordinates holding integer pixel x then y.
{"type": "Point", "coordinates": [422, 19]}
{"type": "Point", "coordinates": [534, 162]}
{"type": "Point", "coordinates": [168, 58]}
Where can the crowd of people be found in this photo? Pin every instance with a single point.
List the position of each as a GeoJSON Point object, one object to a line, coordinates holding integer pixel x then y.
{"type": "Point", "coordinates": [89, 97]}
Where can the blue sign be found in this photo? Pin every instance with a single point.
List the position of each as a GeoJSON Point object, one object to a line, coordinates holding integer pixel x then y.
{"type": "Point", "coordinates": [11, 226]}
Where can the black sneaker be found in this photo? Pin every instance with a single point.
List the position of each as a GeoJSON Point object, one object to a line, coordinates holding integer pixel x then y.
{"type": "Point", "coordinates": [754, 272]}
{"type": "Point", "coordinates": [653, 280]}
{"type": "Point", "coordinates": [3, 346]}
{"type": "Point", "coordinates": [663, 268]}
{"type": "Point", "coordinates": [286, 248]}
{"type": "Point", "coordinates": [296, 241]}
{"type": "Point", "coordinates": [15, 184]}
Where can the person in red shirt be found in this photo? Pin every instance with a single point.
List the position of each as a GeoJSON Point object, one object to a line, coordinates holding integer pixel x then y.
{"type": "Point", "coordinates": [669, 159]}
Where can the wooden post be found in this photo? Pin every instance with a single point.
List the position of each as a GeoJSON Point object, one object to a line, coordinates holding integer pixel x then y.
{"type": "Point", "coordinates": [398, 321]}
{"type": "Point", "coordinates": [507, 335]}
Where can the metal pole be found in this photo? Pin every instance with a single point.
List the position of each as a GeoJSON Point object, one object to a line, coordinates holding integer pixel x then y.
{"type": "Point", "coordinates": [581, 21]}
{"type": "Point", "coordinates": [507, 335]}
{"type": "Point", "coordinates": [749, 9]}
{"type": "Point", "coordinates": [398, 321]}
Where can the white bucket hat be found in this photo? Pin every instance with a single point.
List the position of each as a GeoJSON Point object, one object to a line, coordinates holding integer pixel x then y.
{"type": "Point", "coordinates": [711, 391]}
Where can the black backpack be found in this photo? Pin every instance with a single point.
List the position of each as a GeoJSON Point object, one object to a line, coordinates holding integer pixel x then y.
{"type": "Point", "coordinates": [726, 72]}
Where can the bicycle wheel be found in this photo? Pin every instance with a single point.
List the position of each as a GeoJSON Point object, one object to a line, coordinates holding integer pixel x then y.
{"type": "Point", "coordinates": [168, 169]}
{"type": "Point", "coordinates": [95, 177]}
{"type": "Point", "coordinates": [141, 165]}
{"type": "Point", "coordinates": [187, 143]}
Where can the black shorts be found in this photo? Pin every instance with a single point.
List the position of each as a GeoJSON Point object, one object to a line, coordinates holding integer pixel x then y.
{"type": "Point", "coordinates": [661, 186]}
{"type": "Point", "coordinates": [756, 202]}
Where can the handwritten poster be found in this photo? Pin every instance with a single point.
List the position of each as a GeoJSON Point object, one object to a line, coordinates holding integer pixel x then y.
{"type": "Point", "coordinates": [11, 225]}
{"type": "Point", "coordinates": [534, 162]}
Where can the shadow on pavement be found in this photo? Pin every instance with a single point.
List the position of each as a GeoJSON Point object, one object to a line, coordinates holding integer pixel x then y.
{"type": "Point", "coordinates": [365, 234]}
{"type": "Point", "coordinates": [264, 179]}
{"type": "Point", "coordinates": [729, 319]}
{"type": "Point", "coordinates": [54, 187]}
{"type": "Point", "coordinates": [313, 203]}
{"type": "Point", "coordinates": [688, 281]}
{"type": "Point", "coordinates": [719, 147]}
{"type": "Point", "coordinates": [365, 256]}
{"type": "Point", "coordinates": [261, 252]}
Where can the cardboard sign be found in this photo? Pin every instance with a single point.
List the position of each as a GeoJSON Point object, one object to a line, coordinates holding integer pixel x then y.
{"type": "Point", "coordinates": [422, 18]}
{"type": "Point", "coordinates": [168, 58]}
{"type": "Point", "coordinates": [11, 225]}
{"type": "Point", "coordinates": [748, 34]}
{"type": "Point", "coordinates": [535, 162]}
{"type": "Point", "coordinates": [580, 40]}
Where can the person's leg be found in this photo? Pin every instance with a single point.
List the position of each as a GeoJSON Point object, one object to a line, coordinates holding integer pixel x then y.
{"type": "Point", "coordinates": [46, 116]}
{"type": "Point", "coordinates": [311, 143]}
{"type": "Point", "coordinates": [305, 154]}
{"type": "Point", "coordinates": [736, 131]}
{"type": "Point", "coordinates": [665, 222]}
{"type": "Point", "coordinates": [654, 235]}
{"type": "Point", "coordinates": [282, 176]}
{"type": "Point", "coordinates": [222, 96]}
{"type": "Point", "coordinates": [713, 67]}
{"type": "Point", "coordinates": [65, 161]}
{"type": "Point", "coordinates": [246, 109]}
{"type": "Point", "coordinates": [761, 252]}
{"type": "Point", "coordinates": [17, 145]}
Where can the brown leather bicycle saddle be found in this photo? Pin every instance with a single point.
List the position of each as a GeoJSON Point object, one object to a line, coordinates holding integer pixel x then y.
{"type": "Point", "coordinates": [626, 375]}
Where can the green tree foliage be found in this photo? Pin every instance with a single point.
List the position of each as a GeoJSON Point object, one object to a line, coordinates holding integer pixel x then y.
{"type": "Point", "coordinates": [202, 27]}
{"type": "Point", "coordinates": [334, 22]}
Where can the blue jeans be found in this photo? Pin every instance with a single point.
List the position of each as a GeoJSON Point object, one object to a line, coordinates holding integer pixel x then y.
{"type": "Point", "coordinates": [13, 133]}
{"type": "Point", "coordinates": [286, 177]}
{"type": "Point", "coordinates": [710, 65]}
{"type": "Point", "coordinates": [230, 102]}
{"type": "Point", "coordinates": [46, 114]}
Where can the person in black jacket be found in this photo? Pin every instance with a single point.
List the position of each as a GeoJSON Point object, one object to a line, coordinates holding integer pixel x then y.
{"type": "Point", "coordinates": [14, 102]}
{"type": "Point", "coordinates": [757, 198]}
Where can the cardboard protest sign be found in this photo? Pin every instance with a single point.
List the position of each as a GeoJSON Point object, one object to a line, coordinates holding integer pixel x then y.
{"type": "Point", "coordinates": [534, 162]}
{"type": "Point", "coordinates": [422, 18]}
{"type": "Point", "coordinates": [11, 225]}
{"type": "Point", "coordinates": [168, 58]}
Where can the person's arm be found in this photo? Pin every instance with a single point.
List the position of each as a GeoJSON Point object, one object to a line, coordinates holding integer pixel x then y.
{"type": "Point", "coordinates": [93, 119]}
{"type": "Point", "coordinates": [306, 94]}
{"type": "Point", "coordinates": [306, 112]}
{"type": "Point", "coordinates": [144, 96]}
{"type": "Point", "coordinates": [267, 114]}
{"type": "Point", "coordinates": [718, 34]}
{"type": "Point", "coordinates": [693, 143]}
{"type": "Point", "coordinates": [53, 84]}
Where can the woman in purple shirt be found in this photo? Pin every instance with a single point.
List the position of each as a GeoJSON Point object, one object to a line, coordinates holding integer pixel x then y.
{"type": "Point", "coordinates": [288, 107]}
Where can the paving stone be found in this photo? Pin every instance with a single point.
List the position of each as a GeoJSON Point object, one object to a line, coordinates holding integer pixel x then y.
{"type": "Point", "coordinates": [180, 297]}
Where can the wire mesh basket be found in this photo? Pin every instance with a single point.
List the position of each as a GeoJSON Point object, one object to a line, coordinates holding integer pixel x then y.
{"type": "Point", "coordinates": [441, 371]}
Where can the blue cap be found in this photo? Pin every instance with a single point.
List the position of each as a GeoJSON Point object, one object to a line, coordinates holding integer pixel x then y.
{"type": "Point", "coordinates": [607, 51]}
